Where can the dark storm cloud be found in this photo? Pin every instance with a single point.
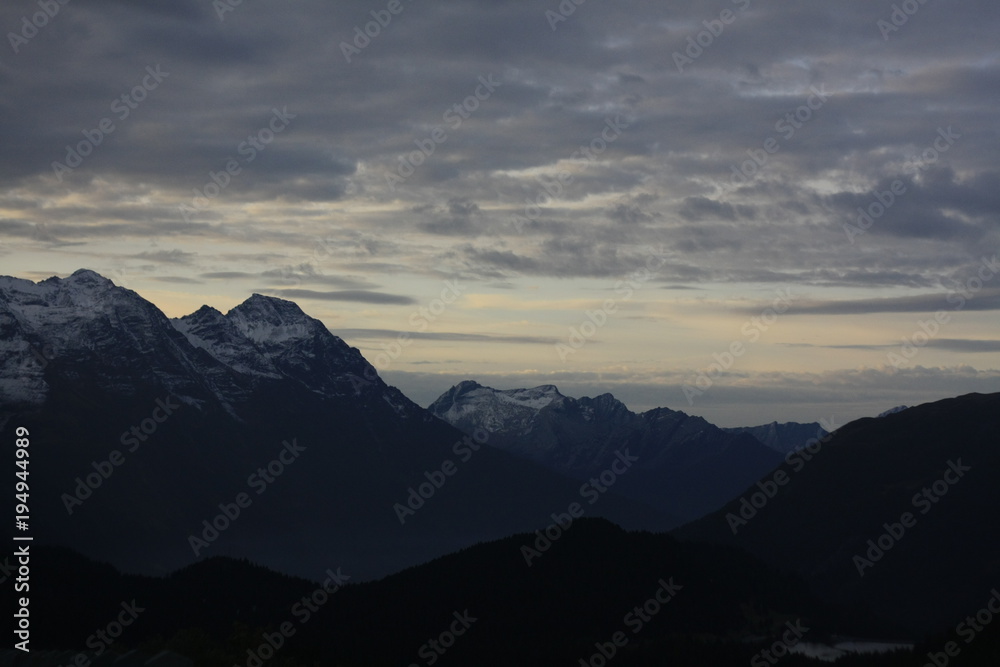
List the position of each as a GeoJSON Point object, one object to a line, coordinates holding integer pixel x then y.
{"type": "Point", "coordinates": [360, 296]}
{"type": "Point", "coordinates": [938, 206]}
{"type": "Point", "coordinates": [227, 275]}
{"type": "Point", "coordinates": [167, 256]}
{"type": "Point", "coordinates": [696, 208]}
{"type": "Point", "coordinates": [460, 217]}
{"type": "Point", "coordinates": [961, 345]}
{"type": "Point", "coordinates": [387, 334]}
{"type": "Point", "coordinates": [180, 280]}
{"type": "Point", "coordinates": [987, 299]}
{"type": "Point", "coordinates": [966, 345]}
{"type": "Point", "coordinates": [308, 274]}
{"type": "Point", "coordinates": [632, 210]}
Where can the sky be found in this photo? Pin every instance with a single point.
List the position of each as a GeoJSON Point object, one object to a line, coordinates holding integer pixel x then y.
{"type": "Point", "coordinates": [748, 210]}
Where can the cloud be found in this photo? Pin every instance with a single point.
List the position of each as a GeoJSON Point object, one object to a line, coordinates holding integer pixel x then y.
{"type": "Point", "coordinates": [180, 280]}
{"type": "Point", "coordinates": [966, 345]}
{"type": "Point", "coordinates": [697, 208]}
{"type": "Point", "coordinates": [736, 399]}
{"type": "Point", "coordinates": [988, 299]}
{"type": "Point", "coordinates": [353, 122]}
{"type": "Point", "coordinates": [360, 296]}
{"type": "Point", "coordinates": [591, 134]}
{"type": "Point", "coordinates": [375, 334]}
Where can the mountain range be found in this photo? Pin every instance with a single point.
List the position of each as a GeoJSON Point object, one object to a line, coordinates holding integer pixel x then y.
{"type": "Point", "coordinates": [166, 448]}
{"type": "Point", "coordinates": [147, 430]}
{"type": "Point", "coordinates": [683, 465]}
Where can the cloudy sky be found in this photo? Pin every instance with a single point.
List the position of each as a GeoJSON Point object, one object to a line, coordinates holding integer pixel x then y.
{"type": "Point", "coordinates": [658, 199]}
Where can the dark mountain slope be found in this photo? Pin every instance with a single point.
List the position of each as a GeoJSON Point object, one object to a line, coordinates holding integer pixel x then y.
{"type": "Point", "coordinates": [683, 465]}
{"type": "Point", "coordinates": [868, 475]}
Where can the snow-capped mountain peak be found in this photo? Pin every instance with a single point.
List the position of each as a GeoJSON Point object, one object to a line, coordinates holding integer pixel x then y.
{"type": "Point", "coordinates": [205, 356]}
{"type": "Point", "coordinates": [534, 398]}
{"type": "Point", "coordinates": [682, 464]}
{"type": "Point", "coordinates": [495, 406]}
{"type": "Point", "coordinates": [272, 320]}
{"type": "Point", "coordinates": [210, 330]}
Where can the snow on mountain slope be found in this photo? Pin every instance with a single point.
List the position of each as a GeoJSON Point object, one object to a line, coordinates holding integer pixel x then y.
{"type": "Point", "coordinates": [685, 465]}
{"type": "Point", "coordinates": [211, 331]}
{"type": "Point", "coordinates": [494, 410]}
{"type": "Point", "coordinates": [195, 405]}
{"type": "Point", "coordinates": [267, 337]}
{"type": "Point", "coordinates": [59, 323]}
{"type": "Point", "coordinates": [56, 322]}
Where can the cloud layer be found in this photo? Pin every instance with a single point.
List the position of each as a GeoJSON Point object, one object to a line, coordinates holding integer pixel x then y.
{"type": "Point", "coordinates": [354, 157]}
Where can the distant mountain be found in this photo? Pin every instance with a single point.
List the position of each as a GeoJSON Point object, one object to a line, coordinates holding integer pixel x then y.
{"type": "Point", "coordinates": [680, 464]}
{"type": "Point", "coordinates": [256, 433]}
{"type": "Point", "coordinates": [892, 411]}
{"type": "Point", "coordinates": [890, 512]}
{"type": "Point", "coordinates": [688, 604]}
{"type": "Point", "coordinates": [783, 438]}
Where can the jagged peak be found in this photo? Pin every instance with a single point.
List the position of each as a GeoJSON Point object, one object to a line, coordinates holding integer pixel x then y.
{"type": "Point", "coordinates": [88, 275]}
{"type": "Point", "coordinates": [268, 318]}
{"type": "Point", "coordinates": [466, 386]}
{"type": "Point", "coordinates": [84, 289]}
{"type": "Point", "coordinates": [264, 304]}
{"type": "Point", "coordinates": [205, 313]}
{"type": "Point", "coordinates": [81, 277]}
{"type": "Point", "coordinates": [205, 319]}
{"type": "Point", "coordinates": [543, 389]}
